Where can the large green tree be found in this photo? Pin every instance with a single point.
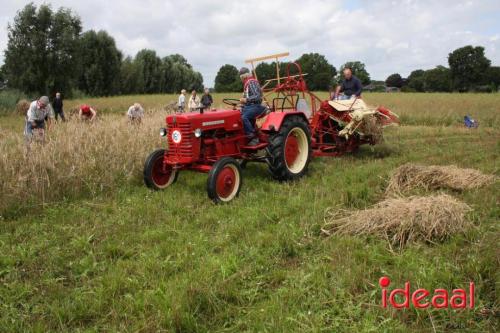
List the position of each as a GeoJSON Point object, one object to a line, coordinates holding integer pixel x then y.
{"type": "Point", "coordinates": [2, 76]}
{"type": "Point", "coordinates": [149, 67]}
{"type": "Point", "coordinates": [100, 64]}
{"type": "Point", "coordinates": [394, 80]}
{"type": "Point", "coordinates": [266, 71]}
{"type": "Point", "coordinates": [178, 74]}
{"type": "Point", "coordinates": [468, 67]}
{"type": "Point", "coordinates": [493, 77]}
{"type": "Point", "coordinates": [129, 77]}
{"type": "Point", "coordinates": [320, 73]}
{"type": "Point", "coordinates": [358, 70]}
{"type": "Point", "coordinates": [42, 50]}
{"type": "Point", "coordinates": [228, 80]}
{"type": "Point", "coordinates": [416, 80]}
{"type": "Point", "coordinates": [438, 79]}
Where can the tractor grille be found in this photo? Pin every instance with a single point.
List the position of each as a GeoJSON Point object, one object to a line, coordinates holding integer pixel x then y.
{"type": "Point", "coordinates": [185, 148]}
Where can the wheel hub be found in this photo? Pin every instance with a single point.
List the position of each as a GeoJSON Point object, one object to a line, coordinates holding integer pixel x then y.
{"type": "Point", "coordinates": [161, 173]}
{"type": "Point", "coordinates": [291, 150]}
{"type": "Point", "coordinates": [226, 182]}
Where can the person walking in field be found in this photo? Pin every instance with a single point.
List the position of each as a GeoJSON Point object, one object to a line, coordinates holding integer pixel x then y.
{"type": "Point", "coordinates": [194, 101]}
{"type": "Point", "coordinates": [181, 103]}
{"type": "Point", "coordinates": [38, 113]}
{"type": "Point", "coordinates": [57, 105]}
{"type": "Point", "coordinates": [86, 113]}
{"type": "Point", "coordinates": [207, 100]}
{"type": "Point", "coordinates": [135, 113]}
{"type": "Point", "coordinates": [252, 104]}
{"type": "Point", "coordinates": [351, 86]}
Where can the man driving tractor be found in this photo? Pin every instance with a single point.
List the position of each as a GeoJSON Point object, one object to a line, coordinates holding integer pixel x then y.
{"type": "Point", "coordinates": [251, 104]}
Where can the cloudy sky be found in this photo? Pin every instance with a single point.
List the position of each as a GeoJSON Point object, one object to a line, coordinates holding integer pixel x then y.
{"type": "Point", "coordinates": [388, 36]}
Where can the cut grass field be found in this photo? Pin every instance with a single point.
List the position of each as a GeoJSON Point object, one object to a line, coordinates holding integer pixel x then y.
{"type": "Point", "coordinates": [122, 258]}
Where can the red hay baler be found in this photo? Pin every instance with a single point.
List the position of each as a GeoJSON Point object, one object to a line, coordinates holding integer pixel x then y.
{"type": "Point", "coordinates": [296, 126]}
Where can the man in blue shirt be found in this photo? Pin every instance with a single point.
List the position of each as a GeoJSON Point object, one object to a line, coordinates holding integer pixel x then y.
{"type": "Point", "coordinates": [252, 104]}
{"type": "Point", "coordinates": [351, 86]}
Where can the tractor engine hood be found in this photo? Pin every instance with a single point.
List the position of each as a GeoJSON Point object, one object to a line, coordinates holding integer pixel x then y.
{"type": "Point", "coordinates": [229, 120]}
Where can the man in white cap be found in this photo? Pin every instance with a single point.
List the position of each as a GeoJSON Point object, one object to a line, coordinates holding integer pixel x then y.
{"type": "Point", "coordinates": [38, 112]}
{"type": "Point", "coordinates": [252, 104]}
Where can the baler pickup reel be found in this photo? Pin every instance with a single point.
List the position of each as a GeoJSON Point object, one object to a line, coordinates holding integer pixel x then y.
{"type": "Point", "coordinates": [364, 120]}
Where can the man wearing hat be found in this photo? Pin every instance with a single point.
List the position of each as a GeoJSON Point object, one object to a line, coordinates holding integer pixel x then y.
{"type": "Point", "coordinates": [252, 104]}
{"type": "Point", "coordinates": [38, 112]}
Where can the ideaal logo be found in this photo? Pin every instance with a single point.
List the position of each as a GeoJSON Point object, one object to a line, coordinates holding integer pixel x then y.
{"type": "Point", "coordinates": [422, 298]}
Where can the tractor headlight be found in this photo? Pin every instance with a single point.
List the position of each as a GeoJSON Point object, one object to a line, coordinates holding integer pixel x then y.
{"type": "Point", "coordinates": [197, 132]}
{"type": "Point", "coordinates": [163, 132]}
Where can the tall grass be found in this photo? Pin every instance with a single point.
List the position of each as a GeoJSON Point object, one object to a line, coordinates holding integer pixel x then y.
{"type": "Point", "coordinates": [84, 160]}
{"type": "Point", "coordinates": [77, 159]}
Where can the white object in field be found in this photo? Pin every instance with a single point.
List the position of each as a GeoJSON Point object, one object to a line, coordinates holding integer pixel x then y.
{"type": "Point", "coordinates": [357, 118]}
{"type": "Point", "coordinates": [358, 110]}
{"type": "Point", "coordinates": [303, 107]}
{"type": "Point", "coordinates": [348, 105]}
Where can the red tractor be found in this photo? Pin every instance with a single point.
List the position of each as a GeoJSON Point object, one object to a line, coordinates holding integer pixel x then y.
{"type": "Point", "coordinates": [296, 126]}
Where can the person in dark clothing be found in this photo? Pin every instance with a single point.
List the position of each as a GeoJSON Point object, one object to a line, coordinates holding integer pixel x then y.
{"type": "Point", "coordinates": [207, 100]}
{"type": "Point", "coordinates": [57, 105]}
{"type": "Point", "coordinates": [351, 86]}
{"type": "Point", "coordinates": [251, 104]}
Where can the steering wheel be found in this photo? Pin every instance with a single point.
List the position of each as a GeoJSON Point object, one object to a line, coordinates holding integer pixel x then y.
{"type": "Point", "coordinates": [234, 102]}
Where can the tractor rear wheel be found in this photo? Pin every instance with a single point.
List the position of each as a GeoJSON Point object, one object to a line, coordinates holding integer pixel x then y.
{"type": "Point", "coordinates": [156, 175]}
{"type": "Point", "coordinates": [224, 180]}
{"type": "Point", "coordinates": [290, 149]}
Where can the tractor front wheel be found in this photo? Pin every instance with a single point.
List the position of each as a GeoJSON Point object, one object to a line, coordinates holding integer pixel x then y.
{"type": "Point", "coordinates": [224, 180]}
{"type": "Point", "coordinates": [290, 149]}
{"type": "Point", "coordinates": [158, 176]}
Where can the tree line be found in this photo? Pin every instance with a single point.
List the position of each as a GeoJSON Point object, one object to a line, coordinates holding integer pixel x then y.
{"type": "Point", "coordinates": [321, 75]}
{"type": "Point", "coordinates": [48, 52]}
{"type": "Point", "coordinates": [469, 70]}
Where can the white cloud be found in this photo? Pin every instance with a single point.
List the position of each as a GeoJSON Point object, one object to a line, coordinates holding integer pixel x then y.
{"type": "Point", "coordinates": [388, 36]}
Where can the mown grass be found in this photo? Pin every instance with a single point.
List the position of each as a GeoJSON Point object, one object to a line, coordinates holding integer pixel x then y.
{"type": "Point", "coordinates": [133, 260]}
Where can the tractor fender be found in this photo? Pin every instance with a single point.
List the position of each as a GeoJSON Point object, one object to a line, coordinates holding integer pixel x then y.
{"type": "Point", "coordinates": [275, 119]}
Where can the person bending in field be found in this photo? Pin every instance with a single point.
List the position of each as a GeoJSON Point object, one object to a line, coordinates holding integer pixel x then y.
{"type": "Point", "coordinates": [38, 113]}
{"type": "Point", "coordinates": [86, 113]}
{"type": "Point", "coordinates": [251, 104]}
{"type": "Point", "coordinates": [135, 113]}
{"type": "Point", "coordinates": [207, 100]}
{"type": "Point", "coordinates": [351, 86]}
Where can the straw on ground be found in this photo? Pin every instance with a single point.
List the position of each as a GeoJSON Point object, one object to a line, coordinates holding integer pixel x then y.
{"type": "Point", "coordinates": [403, 220]}
{"type": "Point", "coordinates": [410, 176]}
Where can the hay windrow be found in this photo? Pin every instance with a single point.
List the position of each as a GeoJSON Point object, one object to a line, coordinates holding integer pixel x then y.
{"type": "Point", "coordinates": [403, 220]}
{"type": "Point", "coordinates": [410, 176]}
